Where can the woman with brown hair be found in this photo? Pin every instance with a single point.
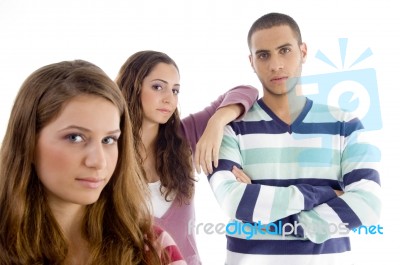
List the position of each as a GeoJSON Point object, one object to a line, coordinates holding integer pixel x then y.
{"type": "Point", "coordinates": [150, 82]}
{"type": "Point", "coordinates": [70, 189]}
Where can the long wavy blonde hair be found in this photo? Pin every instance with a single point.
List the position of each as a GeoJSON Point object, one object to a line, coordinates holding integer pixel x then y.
{"type": "Point", "coordinates": [118, 227]}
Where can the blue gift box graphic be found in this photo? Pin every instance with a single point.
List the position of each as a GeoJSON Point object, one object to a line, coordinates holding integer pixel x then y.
{"type": "Point", "coordinates": [353, 91]}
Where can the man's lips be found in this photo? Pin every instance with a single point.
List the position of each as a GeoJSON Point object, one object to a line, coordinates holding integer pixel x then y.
{"type": "Point", "coordinates": [279, 78]}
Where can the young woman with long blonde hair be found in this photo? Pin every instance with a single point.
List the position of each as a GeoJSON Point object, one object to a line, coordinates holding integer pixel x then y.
{"type": "Point", "coordinates": [70, 188]}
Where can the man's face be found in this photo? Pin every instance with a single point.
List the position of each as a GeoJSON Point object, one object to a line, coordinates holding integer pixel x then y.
{"type": "Point", "coordinates": [277, 59]}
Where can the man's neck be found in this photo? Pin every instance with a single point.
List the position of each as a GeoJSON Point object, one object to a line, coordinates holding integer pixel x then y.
{"type": "Point", "coordinates": [286, 107]}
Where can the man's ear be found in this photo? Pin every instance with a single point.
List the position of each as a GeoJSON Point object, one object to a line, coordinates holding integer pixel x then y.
{"type": "Point", "coordinates": [251, 62]}
{"type": "Point", "coordinates": [303, 50]}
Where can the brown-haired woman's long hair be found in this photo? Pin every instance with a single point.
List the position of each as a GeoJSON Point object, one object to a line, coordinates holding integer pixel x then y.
{"type": "Point", "coordinates": [118, 227]}
{"type": "Point", "coordinates": [173, 154]}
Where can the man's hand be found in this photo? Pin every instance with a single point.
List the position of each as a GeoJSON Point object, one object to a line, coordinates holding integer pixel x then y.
{"type": "Point", "coordinates": [240, 175]}
{"type": "Point", "coordinates": [338, 192]}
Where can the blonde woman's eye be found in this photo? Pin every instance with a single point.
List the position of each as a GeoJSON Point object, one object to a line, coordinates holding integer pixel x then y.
{"type": "Point", "coordinates": [175, 91]}
{"type": "Point", "coordinates": [110, 140]}
{"type": "Point", "coordinates": [75, 138]}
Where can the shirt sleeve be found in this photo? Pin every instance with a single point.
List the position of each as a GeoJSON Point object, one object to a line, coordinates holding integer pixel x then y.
{"type": "Point", "coordinates": [256, 202]}
{"type": "Point", "coordinates": [194, 125]}
{"type": "Point", "coordinates": [360, 205]}
{"type": "Point", "coordinates": [317, 216]}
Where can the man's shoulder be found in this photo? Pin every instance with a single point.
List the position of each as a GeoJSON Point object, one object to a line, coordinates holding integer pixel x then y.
{"type": "Point", "coordinates": [331, 113]}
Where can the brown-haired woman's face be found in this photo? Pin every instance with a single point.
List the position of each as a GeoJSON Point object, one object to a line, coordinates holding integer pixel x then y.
{"type": "Point", "coordinates": [76, 154]}
{"type": "Point", "coordinates": [159, 93]}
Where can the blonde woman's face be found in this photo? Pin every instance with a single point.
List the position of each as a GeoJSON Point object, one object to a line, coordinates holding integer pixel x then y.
{"type": "Point", "coordinates": [76, 154]}
{"type": "Point", "coordinates": [159, 93]}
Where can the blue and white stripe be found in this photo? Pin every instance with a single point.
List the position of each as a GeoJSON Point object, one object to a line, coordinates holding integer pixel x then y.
{"type": "Point", "coordinates": [294, 171]}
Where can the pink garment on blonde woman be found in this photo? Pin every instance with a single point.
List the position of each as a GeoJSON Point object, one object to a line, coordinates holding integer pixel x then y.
{"type": "Point", "coordinates": [167, 243]}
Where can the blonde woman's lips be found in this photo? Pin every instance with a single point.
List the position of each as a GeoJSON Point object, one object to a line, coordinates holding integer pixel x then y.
{"type": "Point", "coordinates": [91, 183]}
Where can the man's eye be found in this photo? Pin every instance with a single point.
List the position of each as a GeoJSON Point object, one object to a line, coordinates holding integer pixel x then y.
{"type": "Point", "coordinates": [263, 56]}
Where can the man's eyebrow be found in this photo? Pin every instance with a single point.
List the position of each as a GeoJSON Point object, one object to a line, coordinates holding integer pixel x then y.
{"type": "Point", "coordinates": [262, 51]}
{"type": "Point", "coordinates": [277, 48]}
{"type": "Point", "coordinates": [283, 46]}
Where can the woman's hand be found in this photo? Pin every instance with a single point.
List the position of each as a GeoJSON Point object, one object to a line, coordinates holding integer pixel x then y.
{"type": "Point", "coordinates": [207, 148]}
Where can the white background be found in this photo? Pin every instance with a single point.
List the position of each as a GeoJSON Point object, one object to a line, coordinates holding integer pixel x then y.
{"type": "Point", "coordinates": [207, 39]}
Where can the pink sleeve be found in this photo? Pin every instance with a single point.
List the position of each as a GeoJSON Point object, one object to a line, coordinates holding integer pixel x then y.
{"type": "Point", "coordinates": [167, 243]}
{"type": "Point", "coordinates": [194, 125]}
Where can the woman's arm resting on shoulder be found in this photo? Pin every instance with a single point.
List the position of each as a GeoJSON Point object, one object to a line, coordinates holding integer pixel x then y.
{"type": "Point", "coordinates": [231, 106]}
{"type": "Point", "coordinates": [207, 148]}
